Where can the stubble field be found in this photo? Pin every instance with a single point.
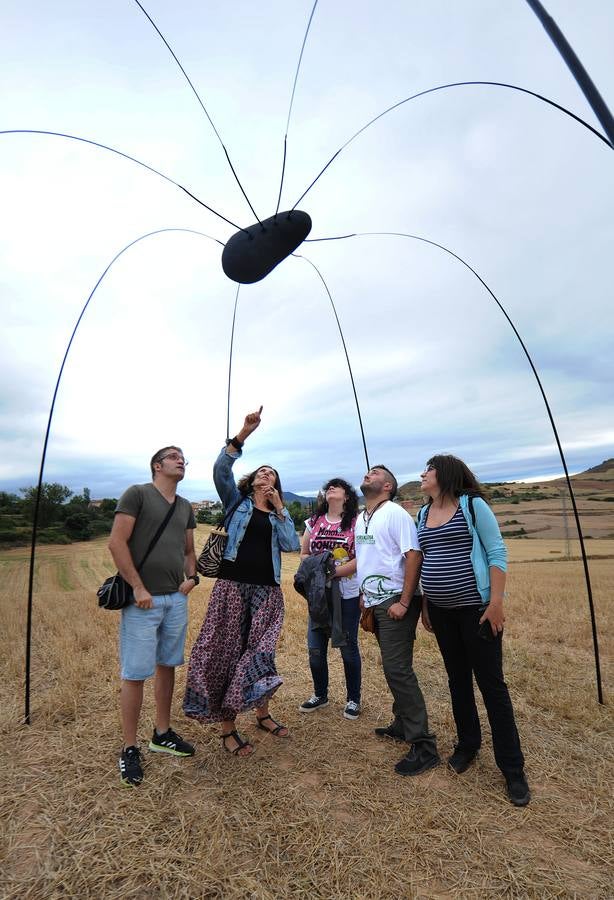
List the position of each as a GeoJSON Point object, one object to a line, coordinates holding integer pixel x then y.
{"type": "Point", "coordinates": [322, 814]}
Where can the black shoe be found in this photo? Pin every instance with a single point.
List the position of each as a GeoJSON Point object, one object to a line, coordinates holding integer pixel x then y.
{"type": "Point", "coordinates": [418, 760]}
{"type": "Point", "coordinates": [352, 710]}
{"type": "Point", "coordinates": [517, 788]}
{"type": "Point", "coordinates": [170, 742]}
{"type": "Point", "coordinates": [130, 768]}
{"type": "Point", "coordinates": [313, 703]}
{"type": "Point", "coordinates": [461, 759]}
{"type": "Point", "coordinates": [388, 731]}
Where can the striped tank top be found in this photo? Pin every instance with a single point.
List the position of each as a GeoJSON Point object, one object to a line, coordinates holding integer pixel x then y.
{"type": "Point", "coordinates": [447, 575]}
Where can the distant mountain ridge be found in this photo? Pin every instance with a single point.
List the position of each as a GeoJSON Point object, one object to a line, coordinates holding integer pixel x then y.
{"type": "Point", "coordinates": [289, 497]}
{"type": "Point", "coordinates": [543, 510]}
{"type": "Point", "coordinates": [594, 481]}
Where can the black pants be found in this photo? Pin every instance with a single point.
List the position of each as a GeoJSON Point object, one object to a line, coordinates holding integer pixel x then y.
{"type": "Point", "coordinates": [466, 654]}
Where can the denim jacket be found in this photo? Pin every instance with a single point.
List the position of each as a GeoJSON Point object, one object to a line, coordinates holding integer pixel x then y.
{"type": "Point", "coordinates": [488, 548]}
{"type": "Point", "coordinates": [284, 536]}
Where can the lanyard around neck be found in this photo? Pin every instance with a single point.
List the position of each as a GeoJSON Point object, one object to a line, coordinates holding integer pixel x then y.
{"type": "Point", "coordinates": [368, 516]}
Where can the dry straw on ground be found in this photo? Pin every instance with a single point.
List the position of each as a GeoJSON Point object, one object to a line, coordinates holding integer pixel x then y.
{"type": "Point", "coordinates": [321, 815]}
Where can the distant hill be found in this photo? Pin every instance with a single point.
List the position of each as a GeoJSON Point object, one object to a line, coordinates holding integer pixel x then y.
{"type": "Point", "coordinates": [543, 509]}
{"type": "Point", "coordinates": [289, 497]}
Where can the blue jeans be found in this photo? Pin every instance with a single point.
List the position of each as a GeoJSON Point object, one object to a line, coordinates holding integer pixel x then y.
{"type": "Point", "coordinates": [151, 637]}
{"type": "Point", "coordinates": [317, 644]}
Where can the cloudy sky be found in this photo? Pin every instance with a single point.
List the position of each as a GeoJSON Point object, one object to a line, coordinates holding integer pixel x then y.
{"type": "Point", "coordinates": [516, 188]}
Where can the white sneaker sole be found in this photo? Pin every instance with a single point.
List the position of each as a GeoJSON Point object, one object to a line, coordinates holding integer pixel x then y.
{"type": "Point", "coordinates": [313, 708]}
{"type": "Point", "coordinates": [351, 717]}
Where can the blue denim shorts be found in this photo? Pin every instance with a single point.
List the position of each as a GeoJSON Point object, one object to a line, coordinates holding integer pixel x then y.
{"type": "Point", "coordinates": [150, 637]}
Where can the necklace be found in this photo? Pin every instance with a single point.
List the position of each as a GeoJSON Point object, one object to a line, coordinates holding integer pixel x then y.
{"type": "Point", "coordinates": [368, 516]}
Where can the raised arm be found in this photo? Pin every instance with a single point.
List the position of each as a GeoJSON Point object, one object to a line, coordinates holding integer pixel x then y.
{"type": "Point", "coordinates": [222, 468]}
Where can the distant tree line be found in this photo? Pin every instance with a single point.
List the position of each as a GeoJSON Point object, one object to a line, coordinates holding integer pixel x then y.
{"type": "Point", "coordinates": [63, 516]}
{"type": "Point", "coordinates": [298, 512]}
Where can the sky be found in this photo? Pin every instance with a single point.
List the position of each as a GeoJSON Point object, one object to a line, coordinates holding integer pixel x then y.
{"type": "Point", "coordinates": [517, 189]}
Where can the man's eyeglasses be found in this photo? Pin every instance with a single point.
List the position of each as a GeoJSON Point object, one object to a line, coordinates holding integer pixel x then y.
{"type": "Point", "coordinates": [175, 457]}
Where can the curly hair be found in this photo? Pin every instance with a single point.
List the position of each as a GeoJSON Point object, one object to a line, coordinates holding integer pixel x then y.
{"type": "Point", "coordinates": [350, 506]}
{"type": "Point", "coordinates": [454, 477]}
{"type": "Point", "coordinates": [246, 484]}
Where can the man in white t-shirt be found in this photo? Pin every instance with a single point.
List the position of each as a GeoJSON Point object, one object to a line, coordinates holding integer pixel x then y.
{"type": "Point", "coordinates": [388, 565]}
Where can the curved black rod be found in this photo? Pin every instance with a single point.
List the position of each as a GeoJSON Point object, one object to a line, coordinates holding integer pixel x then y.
{"type": "Point", "coordinates": [589, 591]}
{"type": "Point", "coordinates": [298, 66]}
{"type": "Point", "coordinates": [345, 350]}
{"type": "Point", "coordinates": [588, 88]}
{"type": "Point", "coordinates": [44, 453]}
{"type": "Point", "coordinates": [443, 87]}
{"type": "Point", "coordinates": [232, 340]}
{"type": "Point", "coordinates": [82, 140]}
{"type": "Point", "coordinates": [196, 94]}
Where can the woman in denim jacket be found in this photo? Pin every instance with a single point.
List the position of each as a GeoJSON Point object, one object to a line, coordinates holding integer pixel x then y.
{"type": "Point", "coordinates": [232, 664]}
{"type": "Point", "coordinates": [463, 580]}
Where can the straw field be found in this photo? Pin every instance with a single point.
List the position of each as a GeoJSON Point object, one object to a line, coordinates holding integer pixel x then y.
{"type": "Point", "coordinates": [322, 814]}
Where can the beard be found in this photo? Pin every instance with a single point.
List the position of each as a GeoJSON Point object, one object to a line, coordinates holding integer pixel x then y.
{"type": "Point", "coordinates": [368, 490]}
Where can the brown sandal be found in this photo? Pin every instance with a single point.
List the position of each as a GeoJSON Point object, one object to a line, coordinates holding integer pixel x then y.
{"type": "Point", "coordinates": [240, 743]}
{"type": "Point", "coordinates": [278, 727]}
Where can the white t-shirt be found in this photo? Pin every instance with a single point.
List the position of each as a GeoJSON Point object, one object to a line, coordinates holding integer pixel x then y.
{"type": "Point", "coordinates": [380, 551]}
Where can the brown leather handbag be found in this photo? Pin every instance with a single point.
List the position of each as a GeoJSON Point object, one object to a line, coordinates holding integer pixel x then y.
{"type": "Point", "coordinates": [367, 620]}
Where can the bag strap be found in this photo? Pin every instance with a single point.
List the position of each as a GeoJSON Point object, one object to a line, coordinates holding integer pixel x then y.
{"type": "Point", "coordinates": [158, 534]}
{"type": "Point", "coordinates": [228, 516]}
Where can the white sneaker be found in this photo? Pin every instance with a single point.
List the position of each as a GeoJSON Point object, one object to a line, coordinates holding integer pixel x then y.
{"type": "Point", "coordinates": [352, 710]}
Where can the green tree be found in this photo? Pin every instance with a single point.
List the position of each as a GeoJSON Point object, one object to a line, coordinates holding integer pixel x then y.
{"type": "Point", "coordinates": [298, 514]}
{"type": "Point", "coordinates": [205, 517]}
{"type": "Point", "coordinates": [53, 497]}
{"type": "Point", "coordinates": [78, 526]}
{"type": "Point", "coordinates": [9, 502]}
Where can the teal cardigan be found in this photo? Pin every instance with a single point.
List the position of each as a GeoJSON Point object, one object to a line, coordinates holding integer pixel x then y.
{"type": "Point", "coordinates": [488, 547]}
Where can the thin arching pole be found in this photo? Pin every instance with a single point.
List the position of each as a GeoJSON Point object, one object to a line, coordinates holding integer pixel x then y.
{"type": "Point", "coordinates": [44, 453]}
{"type": "Point", "coordinates": [583, 79]}
{"type": "Point", "coordinates": [587, 577]}
{"type": "Point", "coordinates": [345, 350]}
{"type": "Point", "coordinates": [232, 340]}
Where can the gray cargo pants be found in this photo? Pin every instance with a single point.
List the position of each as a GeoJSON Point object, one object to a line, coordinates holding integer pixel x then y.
{"type": "Point", "coordinates": [396, 640]}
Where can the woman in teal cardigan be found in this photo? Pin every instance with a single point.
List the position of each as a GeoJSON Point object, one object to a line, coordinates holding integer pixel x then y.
{"type": "Point", "coordinates": [463, 580]}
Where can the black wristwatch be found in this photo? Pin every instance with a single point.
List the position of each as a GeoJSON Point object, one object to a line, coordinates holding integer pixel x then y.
{"type": "Point", "coordinates": [193, 578]}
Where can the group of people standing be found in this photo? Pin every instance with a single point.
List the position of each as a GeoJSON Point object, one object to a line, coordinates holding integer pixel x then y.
{"type": "Point", "coordinates": [448, 569]}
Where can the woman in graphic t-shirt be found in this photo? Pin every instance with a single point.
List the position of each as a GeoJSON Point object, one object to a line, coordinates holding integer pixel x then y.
{"type": "Point", "coordinates": [332, 528]}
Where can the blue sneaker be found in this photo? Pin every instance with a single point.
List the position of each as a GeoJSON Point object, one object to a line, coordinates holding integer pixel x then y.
{"type": "Point", "coordinates": [313, 703]}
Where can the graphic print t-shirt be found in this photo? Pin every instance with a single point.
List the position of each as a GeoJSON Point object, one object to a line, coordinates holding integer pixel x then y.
{"type": "Point", "coordinates": [325, 535]}
{"type": "Point", "coordinates": [381, 546]}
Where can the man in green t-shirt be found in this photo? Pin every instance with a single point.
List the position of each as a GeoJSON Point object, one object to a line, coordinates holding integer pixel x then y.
{"type": "Point", "coordinates": [153, 628]}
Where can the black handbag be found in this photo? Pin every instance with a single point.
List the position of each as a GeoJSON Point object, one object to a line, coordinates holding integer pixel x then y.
{"type": "Point", "coordinates": [115, 592]}
{"type": "Point", "coordinates": [212, 554]}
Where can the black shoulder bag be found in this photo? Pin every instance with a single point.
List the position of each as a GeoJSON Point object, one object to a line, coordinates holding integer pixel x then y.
{"type": "Point", "coordinates": [115, 592]}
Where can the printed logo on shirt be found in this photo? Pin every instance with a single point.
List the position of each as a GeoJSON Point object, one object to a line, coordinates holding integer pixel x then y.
{"type": "Point", "coordinates": [373, 588]}
{"type": "Point", "coordinates": [329, 537]}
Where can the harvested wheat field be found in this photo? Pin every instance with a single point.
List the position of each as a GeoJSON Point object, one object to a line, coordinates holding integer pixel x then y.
{"type": "Point", "coordinates": [322, 814]}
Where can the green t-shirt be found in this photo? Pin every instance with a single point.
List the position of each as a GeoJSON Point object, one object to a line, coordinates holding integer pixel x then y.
{"type": "Point", "coordinates": [163, 570]}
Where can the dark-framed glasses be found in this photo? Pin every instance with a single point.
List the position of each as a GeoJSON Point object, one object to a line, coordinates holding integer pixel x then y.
{"type": "Point", "coordinates": [176, 457]}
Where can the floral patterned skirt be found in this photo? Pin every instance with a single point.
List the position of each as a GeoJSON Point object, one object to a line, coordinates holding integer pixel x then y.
{"type": "Point", "coordinates": [232, 664]}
